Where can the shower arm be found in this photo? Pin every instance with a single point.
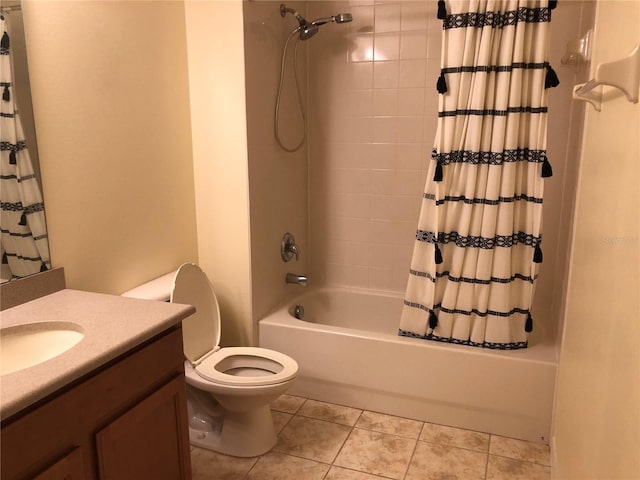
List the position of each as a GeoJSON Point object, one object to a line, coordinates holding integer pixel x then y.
{"type": "Point", "coordinates": [301, 20]}
{"type": "Point", "coordinates": [304, 24]}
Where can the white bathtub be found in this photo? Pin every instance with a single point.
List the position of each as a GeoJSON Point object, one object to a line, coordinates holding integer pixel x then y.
{"type": "Point", "coordinates": [350, 354]}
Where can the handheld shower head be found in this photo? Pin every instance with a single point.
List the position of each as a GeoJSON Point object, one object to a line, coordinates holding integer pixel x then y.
{"type": "Point", "coordinates": [343, 18]}
{"type": "Point", "coordinates": [339, 18]}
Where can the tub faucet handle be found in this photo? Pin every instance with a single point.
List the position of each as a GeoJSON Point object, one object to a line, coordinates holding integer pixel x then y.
{"type": "Point", "coordinates": [288, 248]}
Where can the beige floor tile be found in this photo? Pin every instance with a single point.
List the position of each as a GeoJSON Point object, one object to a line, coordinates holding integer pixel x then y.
{"type": "Point", "coordinates": [501, 468]}
{"type": "Point", "coordinates": [280, 419]}
{"type": "Point", "coordinates": [376, 453]}
{"type": "Point", "coordinates": [330, 412]}
{"type": "Point", "coordinates": [287, 403]}
{"type": "Point", "coordinates": [435, 462]}
{"type": "Point", "coordinates": [277, 466]}
{"type": "Point", "coordinates": [313, 439]}
{"type": "Point", "coordinates": [455, 437]}
{"type": "Point", "coordinates": [339, 473]}
{"type": "Point", "coordinates": [520, 450]}
{"type": "Point", "coordinates": [208, 465]}
{"type": "Point", "coordinates": [313, 434]}
{"type": "Point", "coordinates": [380, 422]}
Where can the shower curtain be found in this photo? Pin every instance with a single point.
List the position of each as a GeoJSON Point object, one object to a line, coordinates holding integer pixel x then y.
{"type": "Point", "coordinates": [478, 241]}
{"type": "Point", "coordinates": [23, 231]}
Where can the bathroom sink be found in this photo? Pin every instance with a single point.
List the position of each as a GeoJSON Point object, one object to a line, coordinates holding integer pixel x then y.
{"type": "Point", "coordinates": [24, 346]}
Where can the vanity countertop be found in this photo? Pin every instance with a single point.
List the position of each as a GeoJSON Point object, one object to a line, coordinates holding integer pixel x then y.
{"type": "Point", "coordinates": [111, 325]}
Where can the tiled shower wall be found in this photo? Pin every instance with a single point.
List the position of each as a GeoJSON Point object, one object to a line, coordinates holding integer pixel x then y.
{"type": "Point", "coordinates": [373, 108]}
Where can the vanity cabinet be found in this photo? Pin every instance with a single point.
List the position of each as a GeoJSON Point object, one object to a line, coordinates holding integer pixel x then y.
{"type": "Point", "coordinates": [127, 420]}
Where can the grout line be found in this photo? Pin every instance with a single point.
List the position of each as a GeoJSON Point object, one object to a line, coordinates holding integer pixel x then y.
{"type": "Point", "coordinates": [285, 423]}
{"type": "Point", "coordinates": [415, 447]}
{"type": "Point", "coordinates": [301, 405]}
{"type": "Point", "coordinates": [413, 452]}
{"type": "Point", "coordinates": [324, 420]}
{"type": "Point", "coordinates": [287, 454]}
{"type": "Point", "coordinates": [351, 428]}
{"type": "Point", "coordinates": [486, 465]}
{"type": "Point", "coordinates": [366, 473]}
{"type": "Point", "coordinates": [519, 460]}
{"type": "Point", "coordinates": [456, 446]}
{"type": "Point", "coordinates": [327, 472]}
{"type": "Point", "coordinates": [246, 475]}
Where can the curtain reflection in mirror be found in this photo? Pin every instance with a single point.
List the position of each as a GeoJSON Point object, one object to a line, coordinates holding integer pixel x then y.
{"type": "Point", "coordinates": [23, 234]}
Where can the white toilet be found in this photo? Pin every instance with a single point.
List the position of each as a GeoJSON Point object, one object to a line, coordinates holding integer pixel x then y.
{"type": "Point", "coordinates": [228, 389]}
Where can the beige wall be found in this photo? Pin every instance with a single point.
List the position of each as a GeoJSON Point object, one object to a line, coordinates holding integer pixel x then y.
{"type": "Point", "coordinates": [596, 432]}
{"type": "Point", "coordinates": [113, 110]}
{"type": "Point", "coordinates": [110, 91]}
{"type": "Point", "coordinates": [278, 180]}
{"type": "Point", "coordinates": [216, 81]}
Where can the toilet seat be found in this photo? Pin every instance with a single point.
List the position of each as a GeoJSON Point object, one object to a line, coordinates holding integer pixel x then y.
{"type": "Point", "coordinates": [234, 366]}
{"type": "Point", "coordinates": [251, 366]}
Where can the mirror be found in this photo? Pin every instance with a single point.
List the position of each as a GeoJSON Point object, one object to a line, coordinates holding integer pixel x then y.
{"type": "Point", "coordinates": [23, 235]}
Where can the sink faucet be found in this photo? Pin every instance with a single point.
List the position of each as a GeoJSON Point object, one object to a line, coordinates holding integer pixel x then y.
{"type": "Point", "coordinates": [296, 279]}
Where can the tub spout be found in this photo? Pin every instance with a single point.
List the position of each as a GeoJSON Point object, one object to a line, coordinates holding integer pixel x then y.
{"type": "Point", "coordinates": [297, 279]}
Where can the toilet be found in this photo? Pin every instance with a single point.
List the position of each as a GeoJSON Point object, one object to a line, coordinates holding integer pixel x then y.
{"type": "Point", "coordinates": [228, 389]}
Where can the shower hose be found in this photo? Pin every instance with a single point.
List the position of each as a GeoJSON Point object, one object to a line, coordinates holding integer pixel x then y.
{"type": "Point", "coordinates": [299, 95]}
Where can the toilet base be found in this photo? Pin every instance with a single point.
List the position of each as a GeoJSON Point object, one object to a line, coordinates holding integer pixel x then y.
{"type": "Point", "coordinates": [247, 434]}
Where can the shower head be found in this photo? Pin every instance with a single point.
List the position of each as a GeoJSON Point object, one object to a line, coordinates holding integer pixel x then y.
{"type": "Point", "coordinates": [339, 18]}
{"type": "Point", "coordinates": [308, 30]}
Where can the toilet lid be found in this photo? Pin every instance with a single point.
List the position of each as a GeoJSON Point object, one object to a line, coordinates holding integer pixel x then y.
{"type": "Point", "coordinates": [200, 331]}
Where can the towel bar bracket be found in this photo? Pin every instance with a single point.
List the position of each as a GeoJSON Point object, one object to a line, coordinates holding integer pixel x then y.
{"type": "Point", "coordinates": [623, 74]}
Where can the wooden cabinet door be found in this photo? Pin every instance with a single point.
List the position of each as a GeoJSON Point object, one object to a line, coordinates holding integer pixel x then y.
{"type": "Point", "coordinates": [149, 441]}
{"type": "Point", "coordinates": [67, 468]}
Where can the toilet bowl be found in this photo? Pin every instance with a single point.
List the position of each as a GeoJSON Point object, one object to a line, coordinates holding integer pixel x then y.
{"type": "Point", "coordinates": [228, 389]}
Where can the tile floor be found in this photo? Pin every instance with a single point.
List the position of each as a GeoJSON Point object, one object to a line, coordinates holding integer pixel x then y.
{"type": "Point", "coordinates": [323, 441]}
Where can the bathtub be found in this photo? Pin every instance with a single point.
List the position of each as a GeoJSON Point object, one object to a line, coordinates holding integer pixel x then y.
{"type": "Point", "coordinates": [349, 353]}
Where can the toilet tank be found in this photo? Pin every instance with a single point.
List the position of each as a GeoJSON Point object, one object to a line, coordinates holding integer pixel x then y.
{"type": "Point", "coordinates": [157, 289]}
